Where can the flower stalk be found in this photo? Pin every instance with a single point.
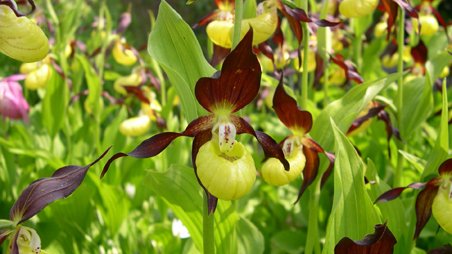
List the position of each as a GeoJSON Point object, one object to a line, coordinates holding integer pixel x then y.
{"type": "Point", "coordinates": [208, 228]}
{"type": "Point", "coordinates": [400, 46]}
{"type": "Point", "coordinates": [238, 15]}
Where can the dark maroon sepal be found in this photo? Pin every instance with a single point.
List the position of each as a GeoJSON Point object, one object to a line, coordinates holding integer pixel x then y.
{"type": "Point", "coordinates": [238, 83]}
{"type": "Point", "coordinates": [446, 167]}
{"type": "Point", "coordinates": [270, 147]}
{"type": "Point", "coordinates": [288, 112]}
{"type": "Point", "coordinates": [332, 158]}
{"type": "Point", "coordinates": [157, 143]}
{"type": "Point", "coordinates": [382, 241]}
{"type": "Point", "coordinates": [351, 73]}
{"type": "Point", "coordinates": [391, 8]}
{"type": "Point", "coordinates": [219, 53]}
{"type": "Point", "coordinates": [44, 191]}
{"type": "Point", "coordinates": [395, 193]}
{"type": "Point", "coordinates": [206, 19]}
{"type": "Point", "coordinates": [311, 151]}
{"type": "Point", "coordinates": [424, 203]}
{"type": "Point", "coordinates": [420, 53]}
{"type": "Point", "coordinates": [360, 120]}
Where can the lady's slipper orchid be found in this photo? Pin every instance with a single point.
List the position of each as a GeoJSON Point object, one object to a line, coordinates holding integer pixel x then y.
{"type": "Point", "coordinates": [429, 19]}
{"type": "Point", "coordinates": [136, 78]}
{"type": "Point", "coordinates": [435, 198]}
{"type": "Point", "coordinates": [20, 37]}
{"type": "Point", "coordinates": [12, 102]}
{"type": "Point", "coordinates": [391, 7]}
{"type": "Point", "coordinates": [214, 142]}
{"type": "Point", "coordinates": [37, 73]}
{"type": "Point", "coordinates": [123, 53]}
{"type": "Point", "coordinates": [264, 24]}
{"type": "Point", "coordinates": [302, 152]}
{"type": "Point", "coordinates": [357, 8]}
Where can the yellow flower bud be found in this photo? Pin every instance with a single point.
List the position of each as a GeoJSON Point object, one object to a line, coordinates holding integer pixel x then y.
{"type": "Point", "coordinates": [220, 32]}
{"type": "Point", "coordinates": [357, 8]}
{"type": "Point", "coordinates": [21, 38]}
{"type": "Point", "coordinates": [311, 62]}
{"type": "Point", "coordinates": [273, 171]}
{"type": "Point", "coordinates": [390, 61]}
{"type": "Point", "coordinates": [39, 77]}
{"type": "Point", "coordinates": [123, 55]}
{"type": "Point", "coordinates": [135, 126]}
{"type": "Point", "coordinates": [228, 175]}
{"type": "Point", "coordinates": [380, 29]}
{"type": "Point", "coordinates": [429, 25]}
{"type": "Point", "coordinates": [134, 79]}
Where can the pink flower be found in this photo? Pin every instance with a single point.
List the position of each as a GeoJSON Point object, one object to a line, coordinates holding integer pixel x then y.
{"type": "Point", "coordinates": [12, 101]}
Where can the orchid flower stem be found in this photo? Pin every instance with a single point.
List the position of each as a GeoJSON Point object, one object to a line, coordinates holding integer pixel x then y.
{"type": "Point", "coordinates": [208, 228]}
{"type": "Point", "coordinates": [305, 73]}
{"type": "Point", "coordinates": [312, 241]}
{"type": "Point", "coordinates": [238, 15]}
{"type": "Point", "coordinates": [357, 44]}
{"type": "Point", "coordinates": [400, 145]}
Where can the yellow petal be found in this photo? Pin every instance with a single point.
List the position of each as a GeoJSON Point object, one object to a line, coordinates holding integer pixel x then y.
{"type": "Point", "coordinates": [123, 55]}
{"type": "Point", "coordinates": [357, 8]}
{"type": "Point", "coordinates": [273, 171]}
{"type": "Point", "coordinates": [135, 126]}
{"type": "Point", "coordinates": [38, 78]}
{"type": "Point", "coordinates": [21, 38]}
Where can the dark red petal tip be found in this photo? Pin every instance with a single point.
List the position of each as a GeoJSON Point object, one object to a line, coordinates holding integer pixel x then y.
{"type": "Point", "coordinates": [381, 241]}
{"type": "Point", "coordinates": [288, 112]}
{"type": "Point", "coordinates": [270, 147]}
{"type": "Point", "coordinates": [238, 83]}
{"type": "Point", "coordinates": [311, 151]}
{"type": "Point", "coordinates": [44, 191]}
{"type": "Point", "coordinates": [395, 193]}
{"type": "Point", "coordinates": [445, 167]}
{"type": "Point", "coordinates": [350, 71]}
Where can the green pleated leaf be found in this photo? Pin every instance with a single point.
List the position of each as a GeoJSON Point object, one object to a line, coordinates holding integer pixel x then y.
{"type": "Point", "coordinates": [55, 103]}
{"type": "Point", "coordinates": [440, 151]}
{"type": "Point", "coordinates": [179, 188]}
{"type": "Point", "coordinates": [390, 211]}
{"type": "Point", "coordinates": [353, 214]}
{"type": "Point", "coordinates": [174, 46]}
{"type": "Point", "coordinates": [345, 110]}
{"type": "Point", "coordinates": [417, 105]}
{"type": "Point", "coordinates": [93, 103]}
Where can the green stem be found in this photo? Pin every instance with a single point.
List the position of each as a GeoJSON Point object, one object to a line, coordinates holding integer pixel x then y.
{"type": "Point", "coordinates": [324, 42]}
{"type": "Point", "coordinates": [357, 44]}
{"type": "Point", "coordinates": [305, 73]}
{"type": "Point", "coordinates": [400, 145]}
{"type": "Point", "coordinates": [238, 14]}
{"type": "Point", "coordinates": [312, 241]}
{"type": "Point", "coordinates": [208, 228]}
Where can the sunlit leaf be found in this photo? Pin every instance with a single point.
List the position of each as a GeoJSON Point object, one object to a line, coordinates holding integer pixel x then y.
{"type": "Point", "coordinates": [55, 103]}
{"type": "Point", "coordinates": [174, 46]}
{"type": "Point", "coordinates": [352, 214]}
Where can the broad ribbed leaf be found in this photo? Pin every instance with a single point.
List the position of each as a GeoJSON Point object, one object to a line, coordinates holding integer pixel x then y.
{"type": "Point", "coordinates": [382, 241]}
{"type": "Point", "coordinates": [353, 214]}
{"type": "Point", "coordinates": [288, 112]}
{"type": "Point", "coordinates": [55, 103]}
{"type": "Point", "coordinates": [174, 46]}
{"type": "Point", "coordinates": [44, 191]}
{"type": "Point", "coordinates": [417, 105]}
{"type": "Point", "coordinates": [238, 83]}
